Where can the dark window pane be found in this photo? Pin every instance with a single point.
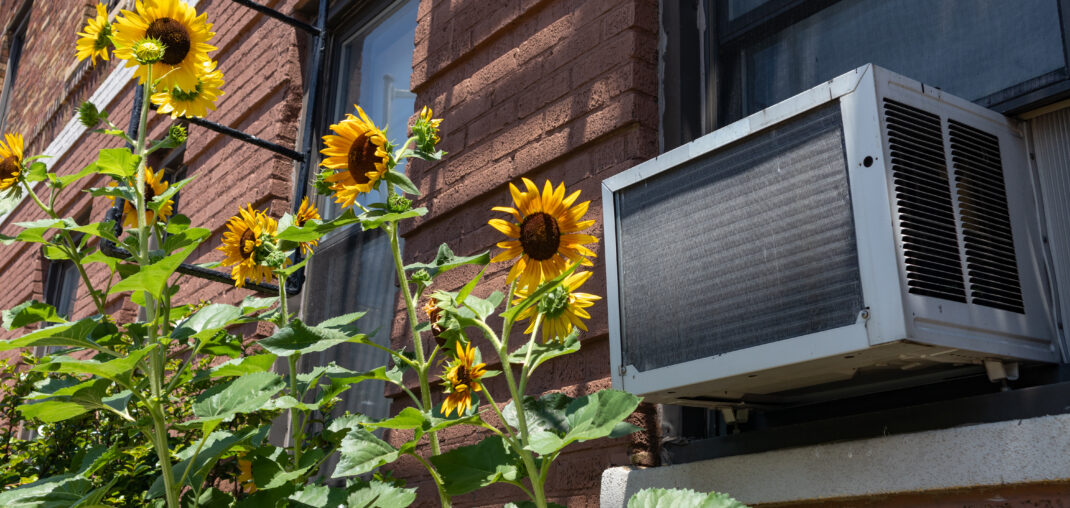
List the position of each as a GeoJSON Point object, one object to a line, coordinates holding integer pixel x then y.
{"type": "Point", "coordinates": [970, 48]}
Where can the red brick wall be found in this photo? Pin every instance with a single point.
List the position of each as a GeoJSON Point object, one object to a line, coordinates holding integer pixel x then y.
{"type": "Point", "coordinates": [555, 89]}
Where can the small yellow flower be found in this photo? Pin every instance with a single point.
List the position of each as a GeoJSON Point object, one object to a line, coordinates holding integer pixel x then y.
{"type": "Point", "coordinates": [461, 380]}
{"type": "Point", "coordinates": [432, 123]}
{"type": "Point", "coordinates": [240, 245]}
{"type": "Point", "coordinates": [154, 186]}
{"type": "Point", "coordinates": [96, 39]}
{"type": "Point", "coordinates": [358, 152]}
{"type": "Point", "coordinates": [197, 101]}
{"type": "Point", "coordinates": [545, 236]}
{"type": "Point", "coordinates": [10, 161]}
{"type": "Point", "coordinates": [305, 213]}
{"type": "Point", "coordinates": [177, 26]}
{"type": "Point", "coordinates": [561, 309]}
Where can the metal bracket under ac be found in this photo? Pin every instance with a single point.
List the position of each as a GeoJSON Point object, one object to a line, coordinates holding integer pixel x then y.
{"type": "Point", "coordinates": [303, 157]}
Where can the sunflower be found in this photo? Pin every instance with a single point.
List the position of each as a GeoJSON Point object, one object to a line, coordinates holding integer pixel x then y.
{"type": "Point", "coordinates": [359, 150]}
{"type": "Point", "coordinates": [545, 234]}
{"type": "Point", "coordinates": [433, 313]}
{"type": "Point", "coordinates": [427, 128]}
{"type": "Point", "coordinates": [10, 161]}
{"type": "Point", "coordinates": [96, 39]}
{"type": "Point", "coordinates": [561, 309]}
{"type": "Point", "coordinates": [305, 213]}
{"type": "Point", "coordinates": [197, 101]}
{"type": "Point", "coordinates": [154, 186]}
{"type": "Point", "coordinates": [241, 243]}
{"type": "Point", "coordinates": [462, 379]}
{"type": "Point", "coordinates": [177, 26]}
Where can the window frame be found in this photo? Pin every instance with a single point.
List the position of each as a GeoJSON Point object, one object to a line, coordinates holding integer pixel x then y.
{"type": "Point", "coordinates": [346, 19]}
{"type": "Point", "coordinates": [15, 39]}
{"type": "Point", "coordinates": [725, 39]}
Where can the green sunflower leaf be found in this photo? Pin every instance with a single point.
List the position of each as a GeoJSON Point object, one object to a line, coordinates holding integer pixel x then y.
{"type": "Point", "coordinates": [207, 321]}
{"type": "Point", "coordinates": [242, 366]}
{"type": "Point", "coordinates": [318, 496]}
{"type": "Point", "coordinates": [118, 162]}
{"type": "Point", "coordinates": [377, 494]}
{"type": "Point", "coordinates": [66, 180]}
{"type": "Point", "coordinates": [163, 197]}
{"type": "Point", "coordinates": [361, 452]}
{"type": "Point", "coordinates": [216, 444]}
{"type": "Point", "coordinates": [540, 292]}
{"type": "Point", "coordinates": [245, 394]}
{"type": "Point", "coordinates": [118, 369]}
{"type": "Point", "coordinates": [177, 223]}
{"type": "Point", "coordinates": [62, 490]}
{"type": "Point", "coordinates": [289, 270]}
{"type": "Point", "coordinates": [683, 498]}
{"type": "Point", "coordinates": [76, 334]}
{"type": "Point", "coordinates": [445, 260]}
{"type": "Point", "coordinates": [299, 338]}
{"type": "Point", "coordinates": [152, 278]}
{"type": "Point", "coordinates": [590, 417]}
{"type": "Point", "coordinates": [402, 182]}
{"type": "Point", "coordinates": [541, 353]}
{"type": "Point", "coordinates": [120, 191]}
{"type": "Point", "coordinates": [314, 229]}
{"type": "Point", "coordinates": [104, 230]}
{"type": "Point", "coordinates": [30, 312]}
{"type": "Point", "coordinates": [468, 468]}
{"type": "Point", "coordinates": [67, 399]}
{"type": "Point", "coordinates": [375, 218]}
{"type": "Point", "coordinates": [37, 172]}
{"type": "Point", "coordinates": [35, 231]}
{"type": "Point", "coordinates": [545, 414]}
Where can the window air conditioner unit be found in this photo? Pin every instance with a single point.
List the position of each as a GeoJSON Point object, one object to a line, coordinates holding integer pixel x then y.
{"type": "Point", "coordinates": [869, 233]}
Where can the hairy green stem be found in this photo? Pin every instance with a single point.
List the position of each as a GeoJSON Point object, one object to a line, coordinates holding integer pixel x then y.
{"type": "Point", "coordinates": [418, 347]}
{"type": "Point", "coordinates": [156, 363]}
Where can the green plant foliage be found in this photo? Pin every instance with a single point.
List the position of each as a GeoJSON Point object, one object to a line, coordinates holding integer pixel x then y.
{"type": "Point", "coordinates": [468, 468]}
{"type": "Point", "coordinates": [681, 498]}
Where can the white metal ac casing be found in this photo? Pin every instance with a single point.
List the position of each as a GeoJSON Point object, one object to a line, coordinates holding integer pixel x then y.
{"type": "Point", "coordinates": [895, 330]}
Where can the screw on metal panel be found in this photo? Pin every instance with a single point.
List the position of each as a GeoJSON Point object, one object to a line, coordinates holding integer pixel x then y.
{"type": "Point", "coordinates": [864, 314]}
{"type": "Point", "coordinates": [621, 370]}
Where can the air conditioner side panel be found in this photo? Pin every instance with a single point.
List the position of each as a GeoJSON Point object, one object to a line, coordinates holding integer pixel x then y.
{"type": "Point", "coordinates": [969, 326]}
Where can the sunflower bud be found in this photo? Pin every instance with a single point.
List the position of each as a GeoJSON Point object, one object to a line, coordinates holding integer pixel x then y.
{"type": "Point", "coordinates": [176, 135]}
{"type": "Point", "coordinates": [398, 203]}
{"type": "Point", "coordinates": [554, 303]}
{"type": "Point", "coordinates": [323, 187]}
{"type": "Point", "coordinates": [426, 131]}
{"type": "Point", "coordinates": [89, 115]}
{"type": "Point", "coordinates": [148, 51]}
{"type": "Point", "coordinates": [421, 277]}
{"type": "Point", "coordinates": [276, 258]}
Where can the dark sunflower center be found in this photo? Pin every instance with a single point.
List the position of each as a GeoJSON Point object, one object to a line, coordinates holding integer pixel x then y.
{"type": "Point", "coordinates": [149, 193]}
{"type": "Point", "coordinates": [462, 375]}
{"type": "Point", "coordinates": [362, 158]}
{"type": "Point", "coordinates": [540, 236]}
{"type": "Point", "coordinates": [9, 167]}
{"type": "Point", "coordinates": [174, 36]}
{"type": "Point", "coordinates": [248, 243]}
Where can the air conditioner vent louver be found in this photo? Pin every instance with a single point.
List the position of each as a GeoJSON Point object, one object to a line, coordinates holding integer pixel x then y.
{"type": "Point", "coordinates": [923, 200]}
{"type": "Point", "coordinates": [986, 226]}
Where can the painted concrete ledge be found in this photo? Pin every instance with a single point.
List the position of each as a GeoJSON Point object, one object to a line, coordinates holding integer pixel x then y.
{"type": "Point", "coordinates": [992, 454]}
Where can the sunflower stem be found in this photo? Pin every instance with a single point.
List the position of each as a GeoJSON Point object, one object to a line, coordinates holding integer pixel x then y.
{"type": "Point", "coordinates": [156, 363]}
{"type": "Point", "coordinates": [521, 419]}
{"type": "Point", "coordinates": [418, 347]}
{"type": "Point", "coordinates": [524, 370]}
